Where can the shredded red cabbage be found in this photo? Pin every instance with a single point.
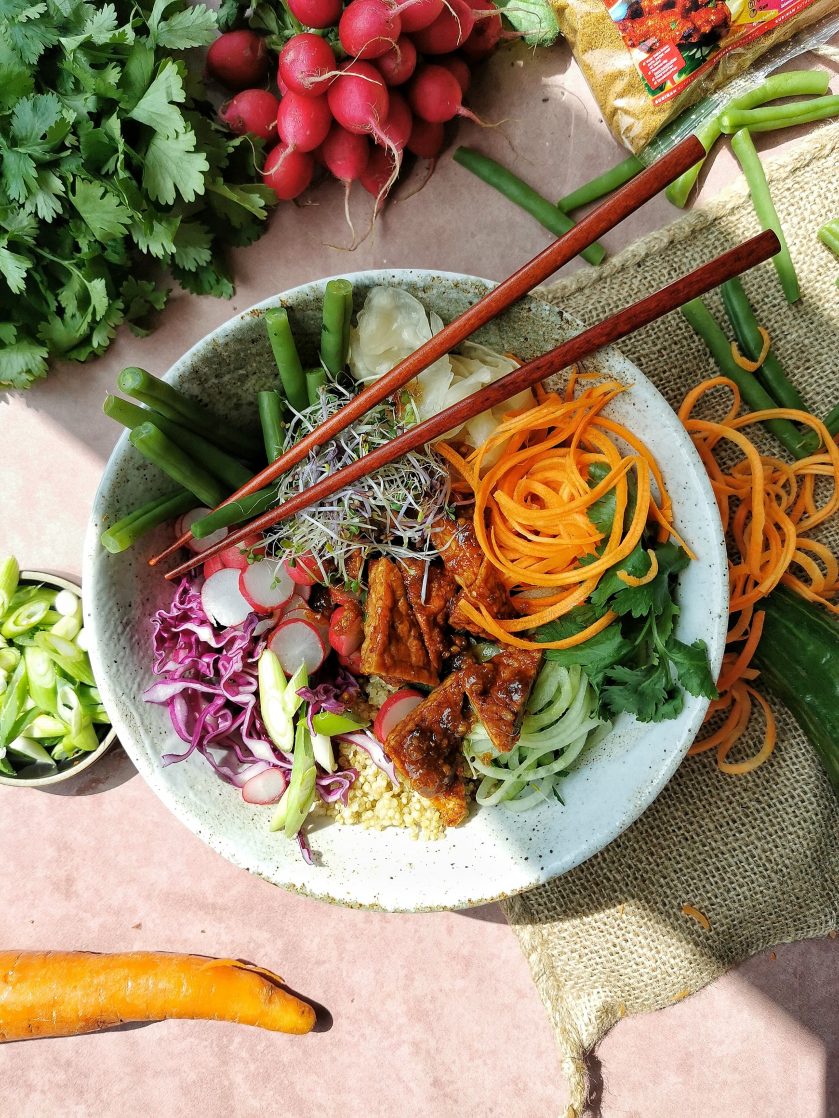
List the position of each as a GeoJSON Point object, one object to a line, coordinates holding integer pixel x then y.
{"type": "Point", "coordinates": [333, 695]}
{"type": "Point", "coordinates": [371, 744]}
{"type": "Point", "coordinates": [208, 681]}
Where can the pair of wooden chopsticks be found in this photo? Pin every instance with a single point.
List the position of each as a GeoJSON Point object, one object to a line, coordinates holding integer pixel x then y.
{"type": "Point", "coordinates": [639, 190]}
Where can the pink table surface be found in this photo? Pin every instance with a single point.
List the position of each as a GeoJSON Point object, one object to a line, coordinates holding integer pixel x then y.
{"type": "Point", "coordinates": [432, 1014]}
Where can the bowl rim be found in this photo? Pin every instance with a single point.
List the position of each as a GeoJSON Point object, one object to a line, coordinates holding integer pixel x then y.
{"type": "Point", "coordinates": [57, 778]}
{"type": "Point", "coordinates": [664, 770]}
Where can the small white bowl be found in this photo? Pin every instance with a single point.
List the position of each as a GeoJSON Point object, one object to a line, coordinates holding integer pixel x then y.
{"type": "Point", "coordinates": [84, 760]}
{"type": "Point", "coordinates": [495, 853]}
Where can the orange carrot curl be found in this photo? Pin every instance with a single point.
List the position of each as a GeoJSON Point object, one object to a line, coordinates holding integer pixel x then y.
{"type": "Point", "coordinates": [64, 993]}
{"type": "Point", "coordinates": [767, 508]}
{"type": "Point", "coordinates": [533, 492]}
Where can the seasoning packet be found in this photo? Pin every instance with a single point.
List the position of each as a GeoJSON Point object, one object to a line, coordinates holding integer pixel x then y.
{"type": "Point", "coordinates": [648, 60]}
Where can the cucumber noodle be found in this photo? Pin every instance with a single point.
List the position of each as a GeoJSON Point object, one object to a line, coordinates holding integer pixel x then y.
{"type": "Point", "coordinates": [561, 716]}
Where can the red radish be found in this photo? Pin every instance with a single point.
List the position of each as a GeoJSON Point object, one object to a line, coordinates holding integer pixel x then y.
{"type": "Point", "coordinates": [301, 612]}
{"type": "Point", "coordinates": [417, 14]}
{"type": "Point", "coordinates": [303, 569]}
{"type": "Point", "coordinates": [358, 99]}
{"type": "Point", "coordinates": [398, 62]}
{"type": "Point", "coordinates": [397, 127]}
{"type": "Point", "coordinates": [379, 174]}
{"type": "Point", "coordinates": [265, 788]}
{"type": "Point", "coordinates": [281, 85]}
{"type": "Point", "coordinates": [252, 110]}
{"type": "Point", "coordinates": [222, 599]}
{"type": "Point", "coordinates": [287, 171]}
{"type": "Point", "coordinates": [238, 59]}
{"type": "Point", "coordinates": [352, 663]}
{"type": "Point", "coordinates": [345, 153]}
{"type": "Point", "coordinates": [486, 33]}
{"type": "Point", "coordinates": [426, 139]}
{"type": "Point", "coordinates": [316, 13]}
{"type": "Point", "coordinates": [265, 585]}
{"type": "Point", "coordinates": [434, 95]}
{"type": "Point", "coordinates": [185, 522]}
{"type": "Point", "coordinates": [368, 28]}
{"type": "Point", "coordinates": [303, 121]}
{"type": "Point", "coordinates": [457, 66]}
{"type": "Point", "coordinates": [237, 554]}
{"type": "Point", "coordinates": [212, 565]}
{"type": "Point", "coordinates": [450, 29]}
{"type": "Point", "coordinates": [307, 64]}
{"type": "Point", "coordinates": [296, 642]}
{"type": "Point", "coordinates": [267, 624]}
{"type": "Point", "coordinates": [394, 710]}
{"type": "Point", "coordinates": [346, 629]}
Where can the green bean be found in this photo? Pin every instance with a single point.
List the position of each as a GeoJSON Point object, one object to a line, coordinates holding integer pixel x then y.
{"type": "Point", "coordinates": [169, 401]}
{"type": "Point", "coordinates": [221, 464]}
{"type": "Point", "coordinates": [767, 215]}
{"type": "Point", "coordinates": [747, 331]}
{"type": "Point", "coordinates": [234, 513]}
{"type": "Point", "coordinates": [512, 187]}
{"type": "Point", "coordinates": [286, 357]}
{"type": "Point", "coordinates": [831, 421]}
{"type": "Point", "coordinates": [752, 392]}
{"type": "Point", "coordinates": [335, 332]}
{"type": "Point", "coordinates": [315, 380]}
{"type": "Point", "coordinates": [271, 420]}
{"type": "Point", "coordinates": [602, 185]}
{"type": "Point", "coordinates": [772, 117]}
{"type": "Point", "coordinates": [829, 235]}
{"type": "Point", "coordinates": [125, 533]}
{"type": "Point", "coordinates": [163, 453]}
{"type": "Point", "coordinates": [794, 83]}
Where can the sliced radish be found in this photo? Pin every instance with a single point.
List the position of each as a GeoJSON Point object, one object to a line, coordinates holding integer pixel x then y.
{"type": "Point", "coordinates": [394, 710]}
{"type": "Point", "coordinates": [266, 624]}
{"type": "Point", "coordinates": [213, 564]}
{"type": "Point", "coordinates": [237, 554]}
{"type": "Point", "coordinates": [185, 523]}
{"type": "Point", "coordinates": [303, 569]}
{"type": "Point", "coordinates": [179, 527]}
{"type": "Point", "coordinates": [222, 599]}
{"type": "Point", "coordinates": [318, 621]}
{"type": "Point", "coordinates": [265, 788]}
{"type": "Point", "coordinates": [266, 585]}
{"type": "Point", "coordinates": [346, 630]}
{"type": "Point", "coordinates": [297, 642]}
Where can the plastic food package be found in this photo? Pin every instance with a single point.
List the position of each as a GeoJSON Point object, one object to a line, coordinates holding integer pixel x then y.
{"type": "Point", "coordinates": [648, 60]}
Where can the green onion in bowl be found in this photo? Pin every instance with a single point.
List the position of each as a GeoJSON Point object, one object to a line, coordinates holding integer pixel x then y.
{"type": "Point", "coordinates": [52, 721]}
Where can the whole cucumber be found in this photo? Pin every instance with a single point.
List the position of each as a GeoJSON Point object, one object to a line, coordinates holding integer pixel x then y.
{"type": "Point", "coordinates": [798, 657]}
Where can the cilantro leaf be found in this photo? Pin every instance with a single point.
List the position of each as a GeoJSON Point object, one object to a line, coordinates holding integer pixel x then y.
{"type": "Point", "coordinates": [691, 662]}
{"type": "Point", "coordinates": [208, 279]}
{"type": "Point", "coordinates": [172, 166]}
{"type": "Point", "coordinates": [13, 268]}
{"type": "Point", "coordinates": [191, 27]}
{"type": "Point", "coordinates": [101, 210]}
{"type": "Point", "coordinates": [646, 691]}
{"type": "Point", "coordinates": [193, 245]}
{"type": "Point", "coordinates": [142, 298]}
{"type": "Point", "coordinates": [595, 655]}
{"type": "Point", "coordinates": [21, 360]}
{"type": "Point", "coordinates": [158, 106]}
{"type": "Point", "coordinates": [602, 511]}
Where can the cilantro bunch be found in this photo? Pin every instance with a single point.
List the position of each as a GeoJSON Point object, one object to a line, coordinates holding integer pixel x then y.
{"type": "Point", "coordinates": [111, 170]}
{"type": "Point", "coordinates": [637, 664]}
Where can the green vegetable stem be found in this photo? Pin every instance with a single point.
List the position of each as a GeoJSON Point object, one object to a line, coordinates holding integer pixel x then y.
{"type": "Point", "coordinates": [235, 512]}
{"type": "Point", "coordinates": [746, 330]}
{"type": "Point", "coordinates": [794, 83]}
{"type": "Point", "coordinates": [767, 215]}
{"type": "Point", "coordinates": [752, 391]}
{"type": "Point", "coordinates": [221, 464]}
{"type": "Point", "coordinates": [315, 380]}
{"type": "Point", "coordinates": [602, 185]}
{"type": "Point", "coordinates": [512, 187]}
{"type": "Point", "coordinates": [335, 332]}
{"type": "Point", "coordinates": [132, 527]}
{"type": "Point", "coordinates": [287, 358]}
{"type": "Point", "coordinates": [771, 117]}
{"type": "Point", "coordinates": [163, 453]}
{"type": "Point", "coordinates": [170, 402]}
{"type": "Point", "coordinates": [9, 576]}
{"type": "Point", "coordinates": [271, 421]}
{"type": "Point", "coordinates": [829, 235]}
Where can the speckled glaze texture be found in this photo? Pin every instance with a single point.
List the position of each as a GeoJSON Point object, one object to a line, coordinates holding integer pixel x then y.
{"type": "Point", "coordinates": [495, 853]}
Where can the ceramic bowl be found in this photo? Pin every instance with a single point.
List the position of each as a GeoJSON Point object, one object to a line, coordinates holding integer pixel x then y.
{"type": "Point", "coordinates": [66, 769]}
{"type": "Point", "coordinates": [496, 853]}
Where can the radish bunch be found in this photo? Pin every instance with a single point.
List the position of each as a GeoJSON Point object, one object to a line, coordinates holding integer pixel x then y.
{"type": "Point", "coordinates": [359, 86]}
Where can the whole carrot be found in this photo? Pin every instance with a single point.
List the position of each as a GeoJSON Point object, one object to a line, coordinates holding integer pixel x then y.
{"type": "Point", "coordinates": [62, 993]}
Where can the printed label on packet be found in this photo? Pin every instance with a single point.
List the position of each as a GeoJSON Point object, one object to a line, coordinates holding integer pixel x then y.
{"type": "Point", "coordinates": [674, 42]}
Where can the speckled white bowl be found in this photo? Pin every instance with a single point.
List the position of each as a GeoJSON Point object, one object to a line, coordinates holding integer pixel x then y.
{"type": "Point", "coordinates": [495, 853]}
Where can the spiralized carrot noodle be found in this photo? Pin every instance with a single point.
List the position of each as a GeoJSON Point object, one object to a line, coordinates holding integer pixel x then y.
{"type": "Point", "coordinates": [697, 915]}
{"type": "Point", "coordinates": [532, 505]}
{"type": "Point", "coordinates": [767, 507]}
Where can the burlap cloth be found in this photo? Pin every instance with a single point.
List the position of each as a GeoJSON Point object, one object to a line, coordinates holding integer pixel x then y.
{"type": "Point", "coordinates": [758, 854]}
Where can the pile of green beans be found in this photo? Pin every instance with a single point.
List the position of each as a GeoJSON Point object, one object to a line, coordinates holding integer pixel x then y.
{"type": "Point", "coordinates": [207, 458]}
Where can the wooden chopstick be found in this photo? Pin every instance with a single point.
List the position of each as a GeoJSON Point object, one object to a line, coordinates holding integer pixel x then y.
{"type": "Point", "coordinates": [691, 286]}
{"type": "Point", "coordinates": [610, 213]}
